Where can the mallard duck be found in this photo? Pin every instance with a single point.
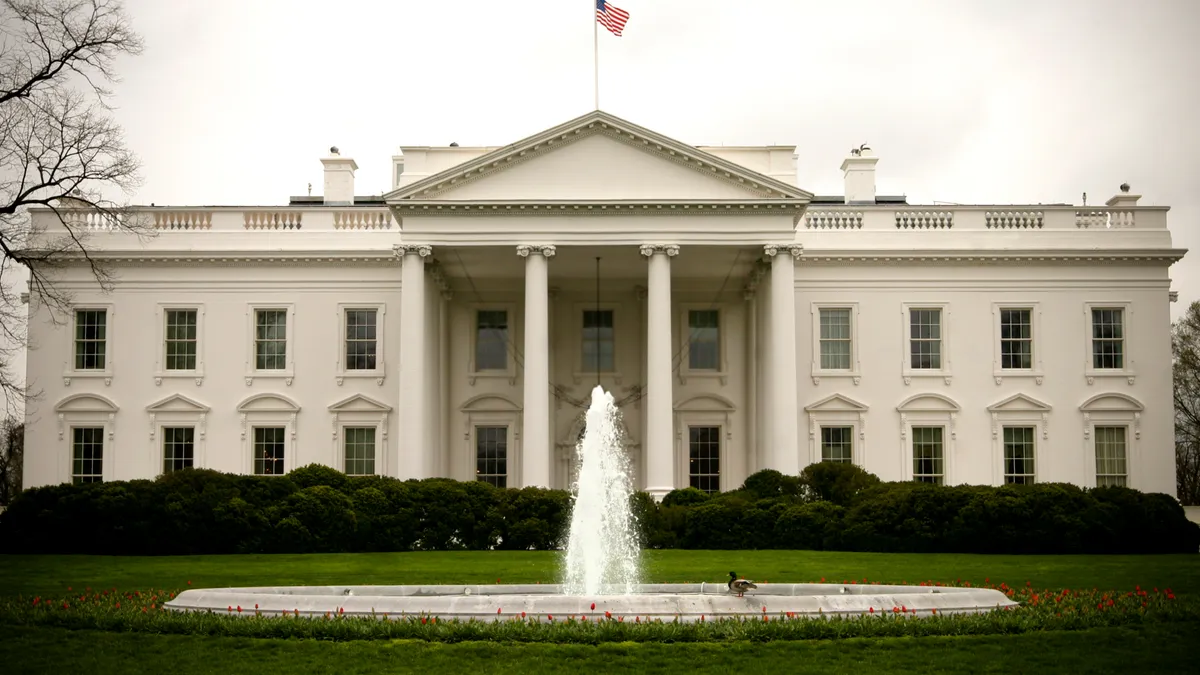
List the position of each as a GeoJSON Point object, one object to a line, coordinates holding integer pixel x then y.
{"type": "Point", "coordinates": [739, 586]}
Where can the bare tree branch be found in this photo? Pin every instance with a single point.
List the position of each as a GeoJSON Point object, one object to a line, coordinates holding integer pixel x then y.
{"type": "Point", "coordinates": [1185, 353]}
{"type": "Point", "coordinates": [60, 150]}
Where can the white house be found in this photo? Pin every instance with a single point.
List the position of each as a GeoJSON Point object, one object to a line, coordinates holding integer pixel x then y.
{"type": "Point", "coordinates": [456, 325]}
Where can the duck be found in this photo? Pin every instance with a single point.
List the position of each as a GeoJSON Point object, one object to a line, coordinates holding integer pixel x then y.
{"type": "Point", "coordinates": [739, 586]}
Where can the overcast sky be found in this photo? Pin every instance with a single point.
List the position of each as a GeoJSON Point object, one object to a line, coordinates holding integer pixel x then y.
{"type": "Point", "coordinates": [985, 101]}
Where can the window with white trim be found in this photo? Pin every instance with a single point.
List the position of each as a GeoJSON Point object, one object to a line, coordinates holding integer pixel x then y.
{"type": "Point", "coordinates": [598, 341]}
{"type": "Point", "coordinates": [704, 339]}
{"type": "Point", "coordinates": [1111, 456]}
{"type": "Point", "coordinates": [91, 339]}
{"type": "Point", "coordinates": [359, 451]}
{"type": "Point", "coordinates": [1016, 339]}
{"type": "Point", "coordinates": [837, 444]}
{"type": "Point", "coordinates": [362, 338]}
{"type": "Point", "coordinates": [180, 339]}
{"type": "Point", "coordinates": [835, 339]}
{"type": "Point", "coordinates": [179, 448]}
{"type": "Point", "coordinates": [270, 450]}
{"type": "Point", "coordinates": [926, 340]}
{"type": "Point", "coordinates": [491, 339]}
{"type": "Point", "coordinates": [704, 458]}
{"type": "Point", "coordinates": [1020, 450]}
{"type": "Point", "coordinates": [929, 454]}
{"type": "Point", "coordinates": [87, 455]}
{"type": "Point", "coordinates": [271, 344]}
{"type": "Point", "coordinates": [491, 455]}
{"type": "Point", "coordinates": [1108, 338]}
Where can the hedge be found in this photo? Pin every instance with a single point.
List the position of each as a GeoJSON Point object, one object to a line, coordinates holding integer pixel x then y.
{"type": "Point", "coordinates": [829, 506]}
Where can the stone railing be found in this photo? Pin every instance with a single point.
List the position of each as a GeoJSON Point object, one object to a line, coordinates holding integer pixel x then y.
{"type": "Point", "coordinates": [959, 218]}
{"type": "Point", "coordinates": [819, 217]}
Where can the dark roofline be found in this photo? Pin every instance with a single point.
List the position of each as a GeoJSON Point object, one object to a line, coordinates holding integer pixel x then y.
{"type": "Point", "coordinates": [840, 199]}
{"type": "Point", "coordinates": [372, 200]}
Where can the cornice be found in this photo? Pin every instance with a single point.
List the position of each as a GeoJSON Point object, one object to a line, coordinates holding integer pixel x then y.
{"type": "Point", "coordinates": [283, 258]}
{"type": "Point", "coordinates": [715, 207]}
{"type": "Point", "coordinates": [594, 123]}
{"type": "Point", "coordinates": [985, 257]}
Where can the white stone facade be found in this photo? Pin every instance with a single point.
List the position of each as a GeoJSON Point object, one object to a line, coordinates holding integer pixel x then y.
{"type": "Point", "coordinates": [741, 322]}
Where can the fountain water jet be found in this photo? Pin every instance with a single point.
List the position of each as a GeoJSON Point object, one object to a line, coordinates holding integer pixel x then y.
{"type": "Point", "coordinates": [603, 555]}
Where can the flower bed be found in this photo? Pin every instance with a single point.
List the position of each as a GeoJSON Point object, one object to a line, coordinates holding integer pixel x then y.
{"type": "Point", "coordinates": [1041, 609]}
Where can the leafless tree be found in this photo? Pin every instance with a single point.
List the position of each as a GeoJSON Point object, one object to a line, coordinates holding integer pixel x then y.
{"type": "Point", "coordinates": [12, 458]}
{"type": "Point", "coordinates": [59, 149]}
{"type": "Point", "coordinates": [1185, 352]}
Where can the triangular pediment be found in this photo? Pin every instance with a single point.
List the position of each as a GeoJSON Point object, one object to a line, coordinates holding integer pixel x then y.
{"type": "Point", "coordinates": [1019, 402]}
{"type": "Point", "coordinates": [1112, 402]}
{"type": "Point", "coordinates": [597, 157]}
{"type": "Point", "coordinates": [359, 403]}
{"type": "Point", "coordinates": [835, 403]}
{"type": "Point", "coordinates": [177, 403]}
{"type": "Point", "coordinates": [268, 403]}
{"type": "Point", "coordinates": [85, 403]}
{"type": "Point", "coordinates": [928, 403]}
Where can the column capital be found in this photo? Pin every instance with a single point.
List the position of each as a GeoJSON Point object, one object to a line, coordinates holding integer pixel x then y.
{"type": "Point", "coordinates": [524, 250]}
{"type": "Point", "coordinates": [796, 250]}
{"type": "Point", "coordinates": [401, 250]}
{"type": "Point", "coordinates": [671, 250]}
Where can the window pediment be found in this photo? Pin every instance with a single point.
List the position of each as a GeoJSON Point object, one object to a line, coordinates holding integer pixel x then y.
{"type": "Point", "coordinates": [706, 403]}
{"type": "Point", "coordinates": [1019, 403]}
{"type": "Point", "coordinates": [489, 402]}
{"type": "Point", "coordinates": [929, 402]}
{"type": "Point", "coordinates": [268, 403]}
{"type": "Point", "coordinates": [1112, 402]}
{"type": "Point", "coordinates": [177, 403]}
{"type": "Point", "coordinates": [835, 403]}
{"type": "Point", "coordinates": [359, 403]}
{"type": "Point", "coordinates": [85, 403]}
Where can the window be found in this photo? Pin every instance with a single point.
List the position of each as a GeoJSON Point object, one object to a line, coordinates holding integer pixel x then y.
{"type": "Point", "coordinates": [836, 430]}
{"type": "Point", "coordinates": [837, 444]}
{"type": "Point", "coordinates": [598, 346]}
{"type": "Point", "coordinates": [835, 339]}
{"type": "Point", "coordinates": [491, 455]}
{"type": "Point", "coordinates": [179, 448]}
{"type": "Point", "coordinates": [360, 451]}
{"type": "Point", "coordinates": [1019, 454]}
{"type": "Point", "coordinates": [91, 339]}
{"type": "Point", "coordinates": [704, 458]}
{"type": "Point", "coordinates": [704, 339]}
{"type": "Point", "coordinates": [491, 339]}
{"type": "Point", "coordinates": [268, 451]}
{"type": "Point", "coordinates": [270, 339]}
{"type": "Point", "coordinates": [87, 454]}
{"type": "Point", "coordinates": [180, 339]}
{"type": "Point", "coordinates": [929, 458]}
{"type": "Point", "coordinates": [1110, 456]}
{"type": "Point", "coordinates": [925, 339]}
{"type": "Point", "coordinates": [362, 343]}
{"type": "Point", "coordinates": [1108, 338]}
{"type": "Point", "coordinates": [1016, 339]}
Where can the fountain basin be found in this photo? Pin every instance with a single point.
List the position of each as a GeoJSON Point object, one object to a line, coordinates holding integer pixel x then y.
{"type": "Point", "coordinates": [666, 602]}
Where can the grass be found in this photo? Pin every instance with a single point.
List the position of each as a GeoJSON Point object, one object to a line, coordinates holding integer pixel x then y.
{"type": "Point", "coordinates": [1140, 647]}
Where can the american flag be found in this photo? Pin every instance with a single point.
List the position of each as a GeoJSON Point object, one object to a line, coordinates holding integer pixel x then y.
{"type": "Point", "coordinates": [612, 18]}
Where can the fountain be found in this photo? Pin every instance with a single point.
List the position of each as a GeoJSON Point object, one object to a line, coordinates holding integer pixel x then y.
{"type": "Point", "coordinates": [601, 569]}
{"type": "Point", "coordinates": [603, 553]}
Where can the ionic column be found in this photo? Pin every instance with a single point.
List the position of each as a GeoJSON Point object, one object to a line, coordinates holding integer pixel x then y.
{"type": "Point", "coordinates": [413, 440]}
{"type": "Point", "coordinates": [535, 449]}
{"type": "Point", "coordinates": [785, 454]}
{"type": "Point", "coordinates": [660, 405]}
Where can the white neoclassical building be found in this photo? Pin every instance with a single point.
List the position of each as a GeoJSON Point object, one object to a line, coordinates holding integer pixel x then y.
{"type": "Point", "coordinates": [456, 325]}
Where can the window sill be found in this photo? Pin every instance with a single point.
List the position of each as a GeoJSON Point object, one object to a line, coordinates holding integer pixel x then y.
{"type": "Point", "coordinates": [855, 375]}
{"type": "Point", "coordinates": [197, 375]}
{"type": "Point", "coordinates": [286, 375]}
{"type": "Point", "coordinates": [685, 375]}
{"type": "Point", "coordinates": [341, 376]}
{"type": "Point", "coordinates": [912, 373]}
{"type": "Point", "coordinates": [106, 375]}
{"type": "Point", "coordinates": [511, 376]}
{"type": "Point", "coordinates": [581, 376]}
{"type": "Point", "coordinates": [1091, 374]}
{"type": "Point", "coordinates": [1037, 375]}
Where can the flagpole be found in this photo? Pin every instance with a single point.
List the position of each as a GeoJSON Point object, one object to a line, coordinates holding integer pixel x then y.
{"type": "Point", "coordinates": [595, 53]}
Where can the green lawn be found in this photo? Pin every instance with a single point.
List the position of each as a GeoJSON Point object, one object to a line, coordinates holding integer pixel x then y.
{"type": "Point", "coordinates": [1142, 648]}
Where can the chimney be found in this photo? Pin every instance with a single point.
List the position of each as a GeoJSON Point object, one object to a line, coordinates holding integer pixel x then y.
{"type": "Point", "coordinates": [339, 178]}
{"type": "Point", "coordinates": [859, 170]}
{"type": "Point", "coordinates": [1123, 198]}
